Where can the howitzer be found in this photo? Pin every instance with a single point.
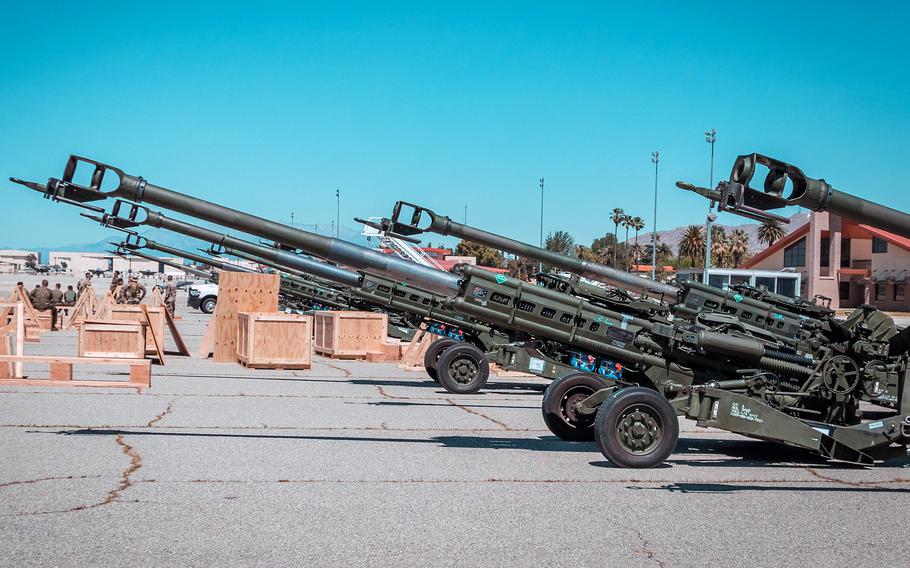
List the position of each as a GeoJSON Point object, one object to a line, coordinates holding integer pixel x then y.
{"type": "Point", "coordinates": [744, 360]}
{"type": "Point", "coordinates": [737, 196]}
{"type": "Point", "coordinates": [389, 281]}
{"type": "Point", "coordinates": [137, 189]}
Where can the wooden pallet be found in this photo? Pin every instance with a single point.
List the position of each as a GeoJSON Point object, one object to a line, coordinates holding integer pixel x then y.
{"type": "Point", "coordinates": [61, 371]}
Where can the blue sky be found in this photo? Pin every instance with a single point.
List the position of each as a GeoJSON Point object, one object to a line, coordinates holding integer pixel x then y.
{"type": "Point", "coordinates": [447, 104]}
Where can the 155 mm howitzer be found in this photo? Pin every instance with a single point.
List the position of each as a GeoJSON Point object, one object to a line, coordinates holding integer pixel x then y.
{"type": "Point", "coordinates": [743, 360]}
{"type": "Point", "coordinates": [400, 284]}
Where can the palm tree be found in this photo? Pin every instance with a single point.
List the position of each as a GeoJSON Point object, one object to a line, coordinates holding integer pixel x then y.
{"type": "Point", "coordinates": [637, 252]}
{"type": "Point", "coordinates": [738, 245]}
{"type": "Point", "coordinates": [719, 245]}
{"type": "Point", "coordinates": [638, 224]}
{"type": "Point", "coordinates": [618, 215]}
{"type": "Point", "coordinates": [626, 223]}
{"type": "Point", "coordinates": [692, 244]}
{"type": "Point", "coordinates": [664, 252]}
{"type": "Point", "coordinates": [771, 231]}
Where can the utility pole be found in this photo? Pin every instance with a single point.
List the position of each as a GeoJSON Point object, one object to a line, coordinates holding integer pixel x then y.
{"type": "Point", "coordinates": [337, 213]}
{"type": "Point", "coordinates": [655, 157]}
{"type": "Point", "coordinates": [710, 137]}
{"type": "Point", "coordinates": [540, 265]}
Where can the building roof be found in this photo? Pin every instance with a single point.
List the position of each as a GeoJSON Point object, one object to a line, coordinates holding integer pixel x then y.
{"type": "Point", "coordinates": [902, 242]}
{"type": "Point", "coordinates": [647, 268]}
{"type": "Point", "coordinates": [788, 240]}
{"type": "Point", "coordinates": [868, 230]}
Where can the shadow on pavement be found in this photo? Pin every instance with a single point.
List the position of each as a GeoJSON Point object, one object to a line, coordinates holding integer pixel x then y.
{"type": "Point", "coordinates": [547, 444]}
{"type": "Point", "coordinates": [723, 488]}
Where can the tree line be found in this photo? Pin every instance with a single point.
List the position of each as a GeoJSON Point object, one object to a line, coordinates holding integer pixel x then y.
{"type": "Point", "coordinates": [728, 249]}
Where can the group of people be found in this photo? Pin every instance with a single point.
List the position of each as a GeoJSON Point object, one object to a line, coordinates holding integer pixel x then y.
{"type": "Point", "coordinates": [44, 298]}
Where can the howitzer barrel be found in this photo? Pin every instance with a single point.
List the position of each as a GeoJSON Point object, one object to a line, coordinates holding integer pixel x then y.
{"type": "Point", "coordinates": [290, 260]}
{"type": "Point", "coordinates": [317, 269]}
{"type": "Point", "coordinates": [445, 226]}
{"type": "Point", "coordinates": [786, 185]}
{"type": "Point", "coordinates": [282, 260]}
{"type": "Point", "coordinates": [137, 189]}
{"type": "Point", "coordinates": [198, 258]}
{"type": "Point", "coordinates": [187, 269]}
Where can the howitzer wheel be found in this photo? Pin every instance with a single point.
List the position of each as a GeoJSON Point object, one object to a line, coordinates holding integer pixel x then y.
{"type": "Point", "coordinates": [431, 355]}
{"type": "Point", "coordinates": [636, 428]}
{"type": "Point", "coordinates": [559, 406]}
{"type": "Point", "coordinates": [462, 369]}
{"type": "Point", "coordinates": [840, 374]}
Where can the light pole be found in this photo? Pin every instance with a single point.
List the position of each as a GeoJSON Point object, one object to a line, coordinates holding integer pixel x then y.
{"type": "Point", "coordinates": [337, 213]}
{"type": "Point", "coordinates": [540, 265]}
{"type": "Point", "coordinates": [710, 137]}
{"type": "Point", "coordinates": [655, 157]}
{"type": "Point", "coordinates": [292, 219]}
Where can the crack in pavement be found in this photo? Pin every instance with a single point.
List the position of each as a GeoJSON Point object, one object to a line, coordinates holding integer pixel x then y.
{"type": "Point", "coordinates": [782, 482]}
{"type": "Point", "coordinates": [139, 427]}
{"type": "Point", "coordinates": [481, 414]}
{"type": "Point", "coordinates": [114, 494]}
{"type": "Point", "coordinates": [42, 479]}
{"type": "Point", "coordinates": [347, 373]}
{"type": "Point", "coordinates": [384, 394]}
{"type": "Point", "coordinates": [164, 413]}
{"type": "Point", "coordinates": [873, 484]}
{"type": "Point", "coordinates": [645, 549]}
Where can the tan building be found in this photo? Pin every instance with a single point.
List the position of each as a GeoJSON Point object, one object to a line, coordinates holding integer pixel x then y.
{"type": "Point", "coordinates": [851, 263]}
{"type": "Point", "coordinates": [81, 262]}
{"type": "Point", "coordinates": [13, 260]}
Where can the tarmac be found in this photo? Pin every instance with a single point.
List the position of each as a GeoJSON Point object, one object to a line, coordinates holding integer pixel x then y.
{"type": "Point", "coordinates": [363, 464]}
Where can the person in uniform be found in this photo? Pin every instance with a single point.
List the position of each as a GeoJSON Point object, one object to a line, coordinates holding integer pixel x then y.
{"type": "Point", "coordinates": [116, 281]}
{"type": "Point", "coordinates": [43, 301]}
{"type": "Point", "coordinates": [57, 294]}
{"type": "Point", "coordinates": [170, 295]}
{"type": "Point", "coordinates": [132, 293]}
{"type": "Point", "coordinates": [84, 283]}
{"type": "Point", "coordinates": [69, 299]}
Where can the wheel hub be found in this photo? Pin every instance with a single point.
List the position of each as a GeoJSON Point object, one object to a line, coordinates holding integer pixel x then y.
{"type": "Point", "coordinates": [569, 406]}
{"type": "Point", "coordinates": [463, 370]}
{"type": "Point", "coordinates": [639, 429]}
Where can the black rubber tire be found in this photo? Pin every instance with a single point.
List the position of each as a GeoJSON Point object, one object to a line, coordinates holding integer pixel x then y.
{"type": "Point", "coordinates": [431, 355]}
{"type": "Point", "coordinates": [558, 400]}
{"type": "Point", "coordinates": [627, 403]}
{"type": "Point", "coordinates": [462, 358]}
{"type": "Point", "coordinates": [207, 306]}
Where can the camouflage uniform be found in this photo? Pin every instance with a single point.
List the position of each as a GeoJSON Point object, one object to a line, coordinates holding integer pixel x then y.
{"type": "Point", "coordinates": [116, 281]}
{"type": "Point", "coordinates": [83, 284]}
{"type": "Point", "coordinates": [170, 296]}
{"type": "Point", "coordinates": [132, 293]}
{"type": "Point", "coordinates": [42, 300]}
{"type": "Point", "coordinates": [57, 296]}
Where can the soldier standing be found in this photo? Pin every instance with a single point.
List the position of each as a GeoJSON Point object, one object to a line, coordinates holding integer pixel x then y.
{"type": "Point", "coordinates": [43, 301]}
{"type": "Point", "coordinates": [116, 281]}
{"type": "Point", "coordinates": [170, 295]}
{"type": "Point", "coordinates": [84, 283]}
{"type": "Point", "coordinates": [132, 293]}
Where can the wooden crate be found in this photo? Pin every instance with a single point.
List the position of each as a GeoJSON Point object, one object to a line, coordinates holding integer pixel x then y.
{"type": "Point", "coordinates": [274, 340]}
{"type": "Point", "coordinates": [44, 320]}
{"type": "Point", "coordinates": [350, 335]}
{"type": "Point", "coordinates": [124, 312]}
{"type": "Point", "coordinates": [112, 339]}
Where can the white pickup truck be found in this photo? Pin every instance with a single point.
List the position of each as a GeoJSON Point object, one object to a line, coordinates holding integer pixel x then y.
{"type": "Point", "coordinates": [203, 297]}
